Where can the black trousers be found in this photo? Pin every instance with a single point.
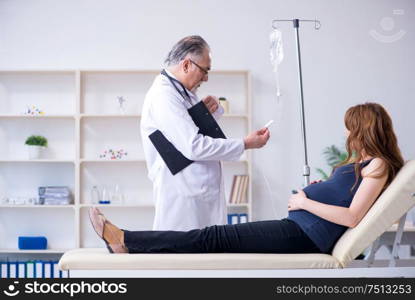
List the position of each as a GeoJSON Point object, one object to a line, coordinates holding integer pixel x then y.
{"type": "Point", "coordinates": [276, 236]}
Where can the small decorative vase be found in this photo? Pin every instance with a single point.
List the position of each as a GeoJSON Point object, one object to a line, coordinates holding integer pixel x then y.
{"type": "Point", "coordinates": [35, 152]}
{"type": "Point", "coordinates": [225, 104]}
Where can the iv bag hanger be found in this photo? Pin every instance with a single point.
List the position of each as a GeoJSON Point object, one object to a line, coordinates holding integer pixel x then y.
{"type": "Point", "coordinates": [317, 25]}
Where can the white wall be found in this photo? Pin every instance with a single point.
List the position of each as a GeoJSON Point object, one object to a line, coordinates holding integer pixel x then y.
{"type": "Point", "coordinates": [342, 64]}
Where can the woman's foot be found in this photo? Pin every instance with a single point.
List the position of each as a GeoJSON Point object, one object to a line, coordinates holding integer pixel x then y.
{"type": "Point", "coordinates": [111, 234]}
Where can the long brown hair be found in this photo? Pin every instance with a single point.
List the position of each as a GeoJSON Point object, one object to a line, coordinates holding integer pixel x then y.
{"type": "Point", "coordinates": [371, 132]}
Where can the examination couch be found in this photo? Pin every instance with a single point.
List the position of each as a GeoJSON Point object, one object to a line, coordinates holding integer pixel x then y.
{"type": "Point", "coordinates": [391, 207]}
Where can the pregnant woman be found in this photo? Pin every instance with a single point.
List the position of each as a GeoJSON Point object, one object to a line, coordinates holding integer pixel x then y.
{"type": "Point", "coordinates": [318, 215]}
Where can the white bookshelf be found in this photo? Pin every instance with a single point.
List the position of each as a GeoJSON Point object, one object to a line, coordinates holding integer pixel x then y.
{"type": "Point", "coordinates": [81, 119]}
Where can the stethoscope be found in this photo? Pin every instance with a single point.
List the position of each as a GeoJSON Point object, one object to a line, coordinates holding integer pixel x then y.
{"type": "Point", "coordinates": [173, 81]}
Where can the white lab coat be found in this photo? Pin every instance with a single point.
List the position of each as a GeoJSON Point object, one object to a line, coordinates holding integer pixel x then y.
{"type": "Point", "coordinates": [194, 197]}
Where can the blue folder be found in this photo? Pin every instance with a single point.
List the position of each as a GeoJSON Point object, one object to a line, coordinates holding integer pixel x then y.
{"type": "Point", "coordinates": [173, 158]}
{"type": "Point", "coordinates": [32, 242]}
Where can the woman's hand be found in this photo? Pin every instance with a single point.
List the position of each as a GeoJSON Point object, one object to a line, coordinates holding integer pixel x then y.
{"type": "Point", "coordinates": [297, 201]}
{"type": "Point", "coordinates": [316, 181]}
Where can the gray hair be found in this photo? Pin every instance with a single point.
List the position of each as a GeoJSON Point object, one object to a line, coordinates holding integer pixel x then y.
{"type": "Point", "coordinates": [194, 45]}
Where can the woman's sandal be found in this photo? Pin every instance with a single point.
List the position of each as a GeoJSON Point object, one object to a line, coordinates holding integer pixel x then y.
{"type": "Point", "coordinates": [99, 223]}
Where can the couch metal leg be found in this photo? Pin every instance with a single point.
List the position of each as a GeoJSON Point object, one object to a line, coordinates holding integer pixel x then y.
{"type": "Point", "coordinates": [397, 242]}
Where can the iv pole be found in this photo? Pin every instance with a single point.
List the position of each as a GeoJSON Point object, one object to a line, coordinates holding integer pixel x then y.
{"type": "Point", "coordinates": [317, 25]}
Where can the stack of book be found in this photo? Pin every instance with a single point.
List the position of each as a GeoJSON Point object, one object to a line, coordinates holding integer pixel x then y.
{"type": "Point", "coordinates": [54, 195]}
{"type": "Point", "coordinates": [239, 188]}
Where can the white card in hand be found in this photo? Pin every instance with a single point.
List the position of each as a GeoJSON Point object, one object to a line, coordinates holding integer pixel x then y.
{"type": "Point", "coordinates": [268, 124]}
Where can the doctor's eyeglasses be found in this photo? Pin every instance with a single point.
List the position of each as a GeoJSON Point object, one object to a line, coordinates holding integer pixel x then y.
{"type": "Point", "coordinates": [204, 70]}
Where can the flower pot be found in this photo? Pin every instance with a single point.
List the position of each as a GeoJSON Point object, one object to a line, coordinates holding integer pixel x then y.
{"type": "Point", "coordinates": [35, 152]}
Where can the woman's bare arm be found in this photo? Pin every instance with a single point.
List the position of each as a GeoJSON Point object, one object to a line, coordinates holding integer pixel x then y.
{"type": "Point", "coordinates": [365, 196]}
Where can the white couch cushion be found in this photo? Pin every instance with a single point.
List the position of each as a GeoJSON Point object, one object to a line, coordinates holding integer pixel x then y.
{"type": "Point", "coordinates": [101, 259]}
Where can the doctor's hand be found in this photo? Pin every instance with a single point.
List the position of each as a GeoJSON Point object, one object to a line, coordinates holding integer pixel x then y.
{"type": "Point", "coordinates": [297, 200]}
{"type": "Point", "coordinates": [257, 139]}
{"type": "Point", "coordinates": [212, 103]}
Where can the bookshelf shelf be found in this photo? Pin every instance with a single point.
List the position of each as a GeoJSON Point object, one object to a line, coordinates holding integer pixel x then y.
{"type": "Point", "coordinates": [113, 161]}
{"type": "Point", "coordinates": [25, 206]}
{"type": "Point", "coordinates": [46, 251]}
{"type": "Point", "coordinates": [235, 116]}
{"type": "Point", "coordinates": [110, 116]}
{"type": "Point", "coordinates": [118, 205]}
{"type": "Point", "coordinates": [37, 117]}
{"type": "Point", "coordinates": [242, 161]}
{"type": "Point", "coordinates": [81, 120]}
{"type": "Point", "coordinates": [37, 161]}
{"type": "Point", "coordinates": [239, 205]}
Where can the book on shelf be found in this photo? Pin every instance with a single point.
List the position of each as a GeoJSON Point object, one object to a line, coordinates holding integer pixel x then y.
{"type": "Point", "coordinates": [4, 270]}
{"type": "Point", "coordinates": [238, 190]}
{"type": "Point", "coordinates": [233, 219]}
{"type": "Point", "coordinates": [243, 218]}
{"type": "Point", "coordinates": [232, 196]}
{"type": "Point", "coordinates": [237, 218]}
{"type": "Point", "coordinates": [21, 270]}
{"type": "Point", "coordinates": [243, 198]}
{"type": "Point", "coordinates": [30, 269]}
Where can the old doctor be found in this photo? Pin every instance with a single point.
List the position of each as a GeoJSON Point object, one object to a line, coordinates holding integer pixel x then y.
{"type": "Point", "coordinates": [194, 197]}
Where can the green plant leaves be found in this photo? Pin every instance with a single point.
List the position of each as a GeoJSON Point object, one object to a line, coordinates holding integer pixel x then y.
{"type": "Point", "coordinates": [37, 140]}
{"type": "Point", "coordinates": [333, 156]}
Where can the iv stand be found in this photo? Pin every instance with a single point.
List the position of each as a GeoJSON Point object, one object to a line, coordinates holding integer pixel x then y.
{"type": "Point", "coordinates": [317, 25]}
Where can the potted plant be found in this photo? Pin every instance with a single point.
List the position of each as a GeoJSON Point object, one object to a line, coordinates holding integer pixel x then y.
{"type": "Point", "coordinates": [36, 144]}
{"type": "Point", "coordinates": [333, 156]}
